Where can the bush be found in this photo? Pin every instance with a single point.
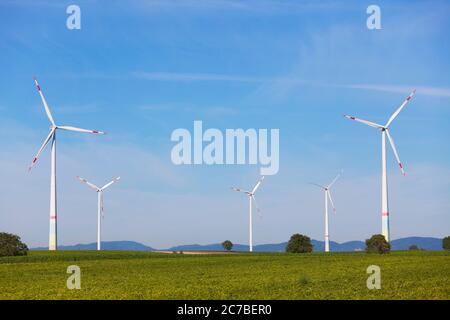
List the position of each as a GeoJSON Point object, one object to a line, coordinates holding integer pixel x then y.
{"type": "Point", "coordinates": [299, 244]}
{"type": "Point", "coordinates": [10, 245]}
{"type": "Point", "coordinates": [227, 245]}
{"type": "Point", "coordinates": [413, 247]}
{"type": "Point", "coordinates": [377, 244]}
{"type": "Point", "coordinates": [446, 243]}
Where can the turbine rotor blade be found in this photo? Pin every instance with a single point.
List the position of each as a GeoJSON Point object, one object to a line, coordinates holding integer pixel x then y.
{"type": "Point", "coordinates": [47, 109]}
{"type": "Point", "coordinates": [394, 149]}
{"type": "Point", "coordinates": [257, 184]}
{"type": "Point", "coordinates": [256, 205]}
{"type": "Point", "coordinates": [70, 128]}
{"type": "Point", "coordinates": [317, 185]}
{"type": "Point", "coordinates": [369, 123]}
{"type": "Point", "coordinates": [240, 190]}
{"type": "Point", "coordinates": [50, 136]}
{"type": "Point", "coordinates": [335, 179]}
{"type": "Point", "coordinates": [395, 114]}
{"type": "Point", "coordinates": [93, 186]}
{"type": "Point", "coordinates": [101, 205]}
{"type": "Point", "coordinates": [331, 200]}
{"type": "Point", "coordinates": [110, 183]}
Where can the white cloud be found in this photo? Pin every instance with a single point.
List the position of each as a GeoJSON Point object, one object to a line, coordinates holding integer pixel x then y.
{"type": "Point", "coordinates": [173, 76]}
{"type": "Point", "coordinates": [269, 7]}
{"type": "Point", "coordinates": [282, 84]}
{"type": "Point", "coordinates": [430, 91]}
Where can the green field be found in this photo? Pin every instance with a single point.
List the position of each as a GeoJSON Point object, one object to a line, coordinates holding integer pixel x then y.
{"type": "Point", "coordinates": [145, 275]}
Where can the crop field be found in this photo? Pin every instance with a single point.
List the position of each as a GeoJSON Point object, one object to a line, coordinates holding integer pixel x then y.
{"type": "Point", "coordinates": [147, 275]}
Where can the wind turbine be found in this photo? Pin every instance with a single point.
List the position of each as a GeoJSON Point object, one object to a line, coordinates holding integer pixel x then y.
{"type": "Point", "coordinates": [251, 197]}
{"type": "Point", "coordinates": [53, 241]}
{"type": "Point", "coordinates": [327, 194]}
{"type": "Point", "coordinates": [99, 206]}
{"type": "Point", "coordinates": [384, 186]}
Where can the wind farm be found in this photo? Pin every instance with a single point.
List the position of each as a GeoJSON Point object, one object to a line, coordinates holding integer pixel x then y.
{"type": "Point", "coordinates": [229, 165]}
{"type": "Point", "coordinates": [192, 261]}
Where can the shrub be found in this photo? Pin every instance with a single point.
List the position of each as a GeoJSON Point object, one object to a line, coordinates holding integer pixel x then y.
{"type": "Point", "coordinates": [413, 247]}
{"type": "Point", "coordinates": [10, 245]}
{"type": "Point", "coordinates": [299, 244]}
{"type": "Point", "coordinates": [227, 245]}
{"type": "Point", "coordinates": [377, 244]}
{"type": "Point", "coordinates": [446, 243]}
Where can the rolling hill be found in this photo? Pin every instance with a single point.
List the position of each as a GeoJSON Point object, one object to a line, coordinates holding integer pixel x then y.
{"type": "Point", "coordinates": [106, 245]}
{"type": "Point", "coordinates": [426, 243]}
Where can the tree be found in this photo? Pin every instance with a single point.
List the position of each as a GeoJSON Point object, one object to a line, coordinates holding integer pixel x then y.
{"type": "Point", "coordinates": [446, 243]}
{"type": "Point", "coordinates": [413, 247]}
{"type": "Point", "coordinates": [10, 245]}
{"type": "Point", "coordinates": [227, 245]}
{"type": "Point", "coordinates": [299, 244]}
{"type": "Point", "coordinates": [377, 244]}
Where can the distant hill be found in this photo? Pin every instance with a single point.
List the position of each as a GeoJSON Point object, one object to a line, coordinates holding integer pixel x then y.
{"type": "Point", "coordinates": [426, 243]}
{"type": "Point", "coordinates": [106, 245]}
{"type": "Point", "coordinates": [276, 247]}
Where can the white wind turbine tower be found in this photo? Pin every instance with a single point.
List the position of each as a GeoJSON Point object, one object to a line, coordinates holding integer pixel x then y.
{"type": "Point", "coordinates": [251, 198]}
{"type": "Point", "coordinates": [384, 186]}
{"type": "Point", "coordinates": [327, 194]}
{"type": "Point", "coordinates": [100, 210]}
{"type": "Point", "coordinates": [53, 241]}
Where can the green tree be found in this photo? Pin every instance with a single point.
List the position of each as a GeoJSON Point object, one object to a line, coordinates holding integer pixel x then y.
{"type": "Point", "coordinates": [413, 247]}
{"type": "Point", "coordinates": [446, 243]}
{"type": "Point", "coordinates": [10, 245]}
{"type": "Point", "coordinates": [299, 244]}
{"type": "Point", "coordinates": [377, 244]}
{"type": "Point", "coordinates": [227, 245]}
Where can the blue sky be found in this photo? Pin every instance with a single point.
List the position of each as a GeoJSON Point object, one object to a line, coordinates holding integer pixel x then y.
{"type": "Point", "coordinates": [142, 69]}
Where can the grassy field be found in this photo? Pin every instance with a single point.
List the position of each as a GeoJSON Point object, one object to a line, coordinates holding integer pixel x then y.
{"type": "Point", "coordinates": [145, 275]}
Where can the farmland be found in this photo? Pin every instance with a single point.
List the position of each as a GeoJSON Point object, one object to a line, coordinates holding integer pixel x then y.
{"type": "Point", "coordinates": [149, 275]}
